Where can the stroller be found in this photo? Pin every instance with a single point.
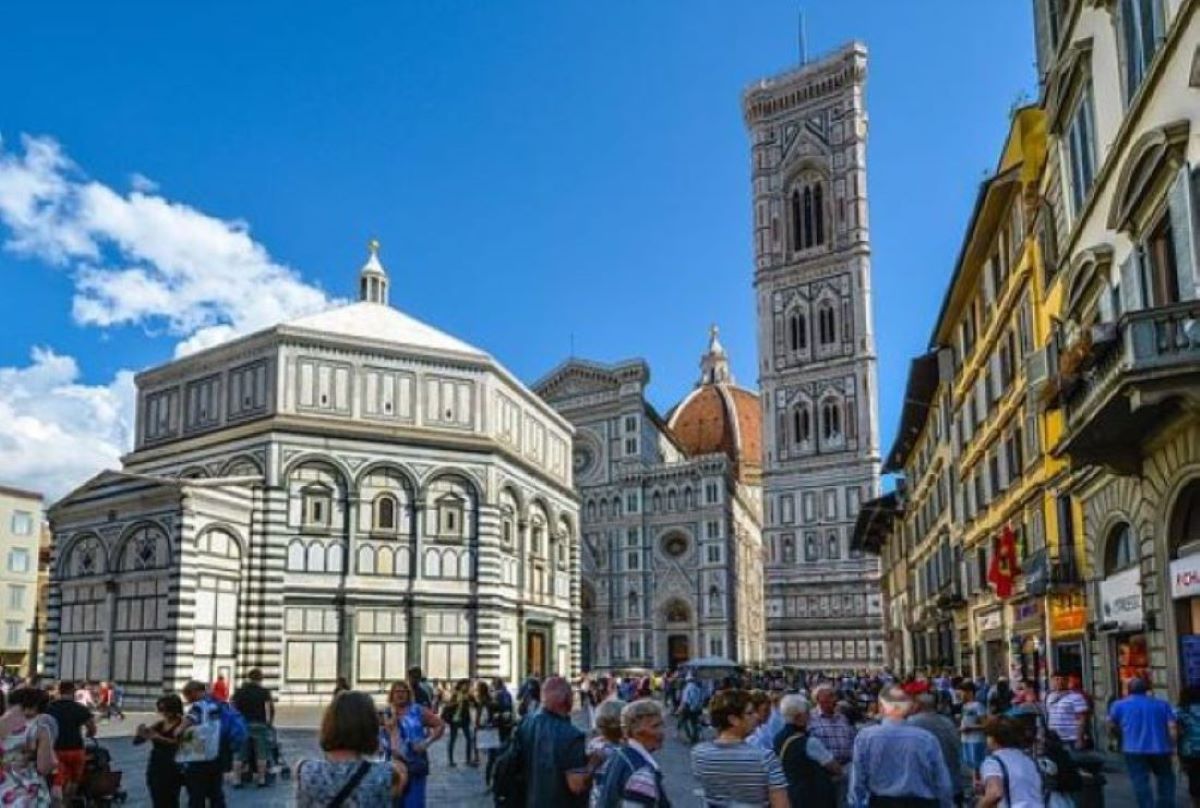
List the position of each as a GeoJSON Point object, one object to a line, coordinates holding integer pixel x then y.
{"type": "Point", "coordinates": [101, 785]}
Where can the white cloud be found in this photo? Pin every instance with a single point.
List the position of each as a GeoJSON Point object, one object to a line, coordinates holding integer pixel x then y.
{"type": "Point", "coordinates": [137, 259]}
{"type": "Point", "coordinates": [142, 259]}
{"type": "Point", "coordinates": [55, 432]}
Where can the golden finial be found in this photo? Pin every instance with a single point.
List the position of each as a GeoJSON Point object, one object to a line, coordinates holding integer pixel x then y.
{"type": "Point", "coordinates": [373, 246]}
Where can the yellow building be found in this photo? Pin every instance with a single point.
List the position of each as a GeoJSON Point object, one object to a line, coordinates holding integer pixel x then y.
{"type": "Point", "coordinates": [20, 535]}
{"type": "Point", "coordinates": [1118, 223]}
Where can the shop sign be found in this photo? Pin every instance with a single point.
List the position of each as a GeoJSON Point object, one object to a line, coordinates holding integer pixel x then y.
{"type": "Point", "coordinates": [1037, 573]}
{"type": "Point", "coordinates": [1068, 614]}
{"type": "Point", "coordinates": [1121, 600]}
{"type": "Point", "coordinates": [1185, 577]}
{"type": "Point", "coordinates": [988, 621]}
{"type": "Point", "coordinates": [1027, 611]}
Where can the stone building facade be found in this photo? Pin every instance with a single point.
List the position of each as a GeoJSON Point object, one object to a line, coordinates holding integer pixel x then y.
{"type": "Point", "coordinates": [671, 558]}
{"type": "Point", "coordinates": [808, 130]}
{"type": "Point", "coordinates": [346, 494]}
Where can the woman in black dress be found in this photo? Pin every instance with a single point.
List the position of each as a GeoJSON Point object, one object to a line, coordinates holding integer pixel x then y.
{"type": "Point", "coordinates": [162, 774]}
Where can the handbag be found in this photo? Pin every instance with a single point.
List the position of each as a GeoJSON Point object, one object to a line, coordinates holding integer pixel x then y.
{"type": "Point", "coordinates": [351, 784]}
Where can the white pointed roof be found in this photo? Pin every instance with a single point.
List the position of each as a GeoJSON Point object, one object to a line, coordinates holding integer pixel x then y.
{"type": "Point", "coordinates": [375, 322]}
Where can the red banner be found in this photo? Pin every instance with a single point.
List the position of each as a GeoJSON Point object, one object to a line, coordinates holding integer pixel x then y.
{"type": "Point", "coordinates": [1004, 567]}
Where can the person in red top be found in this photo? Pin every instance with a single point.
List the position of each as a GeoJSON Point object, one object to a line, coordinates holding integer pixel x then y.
{"type": "Point", "coordinates": [220, 689]}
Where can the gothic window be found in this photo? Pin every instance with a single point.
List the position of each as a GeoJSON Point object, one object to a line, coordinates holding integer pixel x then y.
{"type": "Point", "coordinates": [797, 229]}
{"type": "Point", "coordinates": [789, 549]}
{"type": "Point", "coordinates": [537, 533]}
{"type": "Point", "coordinates": [385, 512]}
{"type": "Point", "coordinates": [633, 605]}
{"type": "Point", "coordinates": [831, 421]}
{"type": "Point", "coordinates": [714, 601]}
{"type": "Point", "coordinates": [798, 331]}
{"type": "Point", "coordinates": [808, 215]}
{"type": "Point", "coordinates": [656, 502]}
{"type": "Point", "coordinates": [833, 546]}
{"type": "Point", "coordinates": [801, 424]}
{"type": "Point", "coordinates": [826, 323]}
{"type": "Point", "coordinates": [591, 510]}
{"type": "Point", "coordinates": [671, 500]}
{"type": "Point", "coordinates": [689, 498]}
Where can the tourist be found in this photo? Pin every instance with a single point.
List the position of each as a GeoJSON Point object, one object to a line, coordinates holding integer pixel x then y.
{"type": "Point", "coordinates": [458, 714]}
{"type": "Point", "coordinates": [1147, 731]}
{"type": "Point", "coordinates": [974, 744]}
{"type": "Point", "coordinates": [73, 720]}
{"type": "Point", "coordinates": [730, 770]}
{"type": "Point", "coordinates": [349, 775]}
{"type": "Point", "coordinates": [482, 697]}
{"type": "Point", "coordinates": [409, 729]}
{"type": "Point", "coordinates": [27, 736]}
{"type": "Point", "coordinates": [608, 739]}
{"type": "Point", "coordinates": [1009, 776]}
{"type": "Point", "coordinates": [202, 776]}
{"type": "Point", "coordinates": [808, 766]}
{"type": "Point", "coordinates": [220, 688]}
{"type": "Point", "coordinates": [163, 778]}
{"type": "Point", "coordinates": [501, 717]}
{"type": "Point", "coordinates": [553, 751]}
{"type": "Point", "coordinates": [1188, 716]}
{"type": "Point", "coordinates": [924, 714]}
{"type": "Point", "coordinates": [422, 691]}
{"type": "Point", "coordinates": [633, 776]}
{"type": "Point", "coordinates": [254, 702]}
{"type": "Point", "coordinates": [691, 707]}
{"type": "Point", "coordinates": [1067, 713]}
{"type": "Point", "coordinates": [831, 726]}
{"type": "Point", "coordinates": [897, 764]}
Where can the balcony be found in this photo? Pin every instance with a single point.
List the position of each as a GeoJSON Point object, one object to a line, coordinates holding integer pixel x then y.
{"type": "Point", "coordinates": [1047, 571]}
{"type": "Point", "coordinates": [1127, 381]}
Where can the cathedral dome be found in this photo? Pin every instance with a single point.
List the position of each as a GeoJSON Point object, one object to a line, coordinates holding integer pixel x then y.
{"type": "Point", "coordinates": [719, 416]}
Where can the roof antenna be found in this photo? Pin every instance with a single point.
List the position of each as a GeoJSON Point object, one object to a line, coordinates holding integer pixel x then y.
{"type": "Point", "coordinates": [803, 40]}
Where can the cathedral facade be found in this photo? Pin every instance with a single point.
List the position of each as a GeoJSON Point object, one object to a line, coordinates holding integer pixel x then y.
{"type": "Point", "coordinates": [808, 130]}
{"type": "Point", "coordinates": [344, 495]}
{"type": "Point", "coordinates": [671, 558]}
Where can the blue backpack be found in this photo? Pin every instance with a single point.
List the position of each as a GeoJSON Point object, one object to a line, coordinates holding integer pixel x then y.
{"type": "Point", "coordinates": [234, 730]}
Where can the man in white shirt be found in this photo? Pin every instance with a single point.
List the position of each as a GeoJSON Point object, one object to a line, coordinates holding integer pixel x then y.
{"type": "Point", "coordinates": [1066, 712]}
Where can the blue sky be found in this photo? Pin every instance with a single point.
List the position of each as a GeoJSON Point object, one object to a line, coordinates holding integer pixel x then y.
{"type": "Point", "coordinates": [537, 172]}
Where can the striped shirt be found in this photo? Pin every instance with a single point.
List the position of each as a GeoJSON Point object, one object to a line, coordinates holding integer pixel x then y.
{"type": "Point", "coordinates": [737, 773]}
{"type": "Point", "coordinates": [1064, 708]}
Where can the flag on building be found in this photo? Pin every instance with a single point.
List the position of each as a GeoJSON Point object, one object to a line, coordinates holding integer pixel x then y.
{"type": "Point", "coordinates": [1004, 568]}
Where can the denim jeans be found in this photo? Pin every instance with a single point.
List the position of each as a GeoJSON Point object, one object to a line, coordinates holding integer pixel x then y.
{"type": "Point", "coordinates": [1140, 768]}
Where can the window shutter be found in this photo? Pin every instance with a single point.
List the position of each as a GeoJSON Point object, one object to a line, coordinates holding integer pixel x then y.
{"type": "Point", "coordinates": [996, 375]}
{"type": "Point", "coordinates": [1002, 463]}
{"type": "Point", "coordinates": [1131, 287]}
{"type": "Point", "coordinates": [1031, 435]}
{"type": "Point", "coordinates": [1183, 229]}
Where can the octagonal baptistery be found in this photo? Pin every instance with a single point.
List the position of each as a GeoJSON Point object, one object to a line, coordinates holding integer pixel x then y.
{"type": "Point", "coordinates": [348, 494]}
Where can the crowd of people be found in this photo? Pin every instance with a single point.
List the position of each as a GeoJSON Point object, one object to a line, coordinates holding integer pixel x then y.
{"type": "Point", "coordinates": [755, 740]}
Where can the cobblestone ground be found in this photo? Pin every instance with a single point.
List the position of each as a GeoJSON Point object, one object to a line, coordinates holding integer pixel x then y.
{"type": "Point", "coordinates": [461, 787]}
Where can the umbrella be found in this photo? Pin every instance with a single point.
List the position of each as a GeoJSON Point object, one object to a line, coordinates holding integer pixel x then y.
{"type": "Point", "coordinates": [711, 667]}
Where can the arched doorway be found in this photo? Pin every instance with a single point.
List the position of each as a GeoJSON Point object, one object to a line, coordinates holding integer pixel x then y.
{"type": "Point", "coordinates": [678, 617]}
{"type": "Point", "coordinates": [1183, 539]}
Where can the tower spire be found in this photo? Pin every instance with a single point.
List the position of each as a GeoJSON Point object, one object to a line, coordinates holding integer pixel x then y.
{"type": "Point", "coordinates": [372, 278]}
{"type": "Point", "coordinates": [714, 365]}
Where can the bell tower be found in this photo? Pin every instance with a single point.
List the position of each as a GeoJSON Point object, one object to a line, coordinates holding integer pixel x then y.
{"type": "Point", "coordinates": [816, 351]}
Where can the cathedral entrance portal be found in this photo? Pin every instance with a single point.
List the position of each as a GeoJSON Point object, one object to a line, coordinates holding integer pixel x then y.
{"type": "Point", "coordinates": [678, 650]}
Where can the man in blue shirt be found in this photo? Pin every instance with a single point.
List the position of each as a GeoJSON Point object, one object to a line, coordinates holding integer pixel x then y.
{"type": "Point", "coordinates": [898, 765]}
{"type": "Point", "coordinates": [553, 751]}
{"type": "Point", "coordinates": [1147, 729]}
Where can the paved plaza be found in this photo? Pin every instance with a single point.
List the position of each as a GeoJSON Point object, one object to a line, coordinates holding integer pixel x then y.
{"type": "Point", "coordinates": [461, 786]}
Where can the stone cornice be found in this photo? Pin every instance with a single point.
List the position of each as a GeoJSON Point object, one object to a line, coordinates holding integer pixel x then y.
{"type": "Point", "coordinates": [782, 93]}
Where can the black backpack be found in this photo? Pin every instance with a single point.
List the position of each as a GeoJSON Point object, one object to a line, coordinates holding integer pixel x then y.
{"type": "Point", "coordinates": [509, 782]}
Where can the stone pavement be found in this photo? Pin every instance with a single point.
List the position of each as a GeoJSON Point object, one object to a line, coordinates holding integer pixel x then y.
{"type": "Point", "coordinates": [461, 787]}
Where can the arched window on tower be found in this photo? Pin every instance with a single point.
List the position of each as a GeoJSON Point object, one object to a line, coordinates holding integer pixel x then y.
{"type": "Point", "coordinates": [831, 421]}
{"type": "Point", "coordinates": [798, 331]}
{"type": "Point", "coordinates": [385, 512]}
{"type": "Point", "coordinates": [826, 323]}
{"type": "Point", "coordinates": [797, 230]}
{"type": "Point", "coordinates": [801, 424]}
{"type": "Point", "coordinates": [808, 217]}
{"type": "Point", "coordinates": [818, 215]}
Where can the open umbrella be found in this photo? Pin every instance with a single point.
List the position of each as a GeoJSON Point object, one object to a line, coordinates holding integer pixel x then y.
{"type": "Point", "coordinates": [711, 667]}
